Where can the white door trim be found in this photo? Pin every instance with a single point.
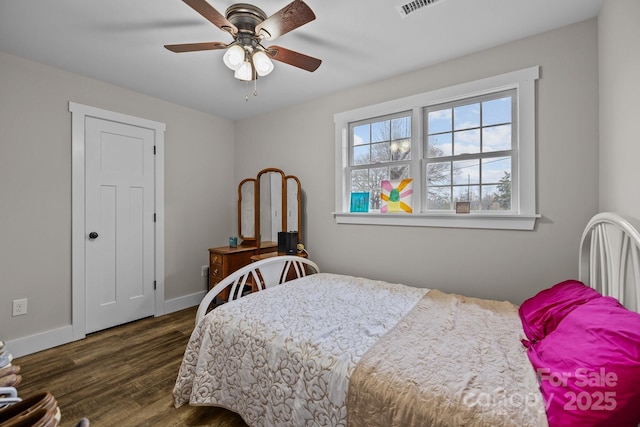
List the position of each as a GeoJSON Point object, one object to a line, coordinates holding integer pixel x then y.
{"type": "Point", "coordinates": [78, 114]}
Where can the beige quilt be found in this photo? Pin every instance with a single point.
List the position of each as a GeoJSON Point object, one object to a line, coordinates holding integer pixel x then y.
{"type": "Point", "coordinates": [452, 361]}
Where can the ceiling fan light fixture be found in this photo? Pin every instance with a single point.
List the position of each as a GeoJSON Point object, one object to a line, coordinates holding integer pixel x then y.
{"type": "Point", "coordinates": [244, 72]}
{"type": "Point", "coordinates": [234, 57]}
{"type": "Point", "coordinates": [250, 26]}
{"type": "Point", "coordinates": [263, 64]}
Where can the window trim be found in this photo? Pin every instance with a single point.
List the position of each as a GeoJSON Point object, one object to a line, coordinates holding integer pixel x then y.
{"type": "Point", "coordinates": [523, 217]}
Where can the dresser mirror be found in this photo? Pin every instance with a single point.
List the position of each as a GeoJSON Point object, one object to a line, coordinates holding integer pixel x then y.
{"type": "Point", "coordinates": [268, 204]}
{"type": "Point", "coordinates": [294, 207]}
{"type": "Point", "coordinates": [246, 210]}
{"type": "Point", "coordinates": [272, 204]}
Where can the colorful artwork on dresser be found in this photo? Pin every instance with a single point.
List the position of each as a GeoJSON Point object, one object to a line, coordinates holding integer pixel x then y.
{"type": "Point", "coordinates": [396, 196]}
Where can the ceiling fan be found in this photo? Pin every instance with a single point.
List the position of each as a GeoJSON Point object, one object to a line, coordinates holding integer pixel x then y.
{"type": "Point", "coordinates": [249, 26]}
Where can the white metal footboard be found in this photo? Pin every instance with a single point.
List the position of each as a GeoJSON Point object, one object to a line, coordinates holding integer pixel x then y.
{"type": "Point", "coordinates": [262, 274]}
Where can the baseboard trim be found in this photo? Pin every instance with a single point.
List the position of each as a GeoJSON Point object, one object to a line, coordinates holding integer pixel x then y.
{"type": "Point", "coordinates": [183, 302]}
{"type": "Point", "coordinates": [55, 337]}
{"type": "Point", "coordinates": [41, 341]}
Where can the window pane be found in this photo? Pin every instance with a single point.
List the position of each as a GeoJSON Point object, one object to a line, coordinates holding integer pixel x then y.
{"type": "Point", "coordinates": [496, 197]}
{"type": "Point", "coordinates": [495, 170]}
{"type": "Point", "coordinates": [496, 111]}
{"type": "Point", "coordinates": [439, 121]}
{"type": "Point", "coordinates": [401, 128]}
{"type": "Point", "coordinates": [496, 138]}
{"type": "Point", "coordinates": [400, 150]}
{"type": "Point", "coordinates": [380, 153]}
{"type": "Point", "coordinates": [466, 172]}
{"type": "Point", "coordinates": [360, 155]}
{"type": "Point", "coordinates": [466, 142]}
{"type": "Point", "coordinates": [361, 134]}
{"type": "Point", "coordinates": [467, 193]}
{"type": "Point", "coordinates": [375, 176]}
{"type": "Point", "coordinates": [466, 116]}
{"type": "Point", "coordinates": [380, 131]}
{"type": "Point", "coordinates": [399, 172]}
{"type": "Point", "coordinates": [439, 145]}
{"type": "Point", "coordinates": [360, 181]}
{"type": "Point", "coordinates": [439, 173]}
{"type": "Point", "coordinates": [439, 198]}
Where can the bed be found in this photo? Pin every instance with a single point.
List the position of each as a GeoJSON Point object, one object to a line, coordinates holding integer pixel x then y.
{"type": "Point", "coordinates": [335, 350]}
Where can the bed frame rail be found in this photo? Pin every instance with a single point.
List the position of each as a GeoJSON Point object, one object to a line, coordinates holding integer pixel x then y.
{"type": "Point", "coordinates": [261, 274]}
{"type": "Point", "coordinates": [609, 258]}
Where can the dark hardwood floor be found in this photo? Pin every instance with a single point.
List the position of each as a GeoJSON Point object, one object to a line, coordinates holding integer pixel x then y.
{"type": "Point", "coordinates": [122, 376]}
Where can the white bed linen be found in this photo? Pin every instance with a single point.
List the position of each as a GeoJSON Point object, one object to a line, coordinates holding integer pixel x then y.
{"type": "Point", "coordinates": [283, 357]}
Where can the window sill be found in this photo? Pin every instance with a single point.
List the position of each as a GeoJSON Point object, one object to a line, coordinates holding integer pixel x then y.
{"type": "Point", "coordinates": [450, 220]}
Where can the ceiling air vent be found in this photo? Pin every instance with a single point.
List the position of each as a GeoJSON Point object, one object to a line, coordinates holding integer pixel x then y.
{"type": "Point", "coordinates": [413, 6]}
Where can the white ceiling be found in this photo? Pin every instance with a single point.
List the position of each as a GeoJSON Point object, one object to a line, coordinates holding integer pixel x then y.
{"type": "Point", "coordinates": [359, 41]}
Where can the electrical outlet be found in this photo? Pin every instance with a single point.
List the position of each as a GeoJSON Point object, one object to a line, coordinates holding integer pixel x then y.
{"type": "Point", "coordinates": [204, 271]}
{"type": "Point", "coordinates": [19, 307]}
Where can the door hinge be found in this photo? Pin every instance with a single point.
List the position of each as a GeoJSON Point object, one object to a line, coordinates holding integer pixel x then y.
{"type": "Point", "coordinates": [155, 285]}
{"type": "Point", "coordinates": [154, 217]}
{"type": "Point", "coordinates": [154, 150]}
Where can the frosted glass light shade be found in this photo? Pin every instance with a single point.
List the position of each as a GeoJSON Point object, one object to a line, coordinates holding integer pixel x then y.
{"type": "Point", "coordinates": [244, 72]}
{"type": "Point", "coordinates": [262, 63]}
{"type": "Point", "coordinates": [233, 57]}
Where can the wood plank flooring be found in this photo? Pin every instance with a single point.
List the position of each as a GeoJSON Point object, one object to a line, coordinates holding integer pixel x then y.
{"type": "Point", "coordinates": [122, 376]}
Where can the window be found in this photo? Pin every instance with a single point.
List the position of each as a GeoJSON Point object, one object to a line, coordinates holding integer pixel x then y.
{"type": "Point", "coordinates": [473, 142]}
{"type": "Point", "coordinates": [469, 153]}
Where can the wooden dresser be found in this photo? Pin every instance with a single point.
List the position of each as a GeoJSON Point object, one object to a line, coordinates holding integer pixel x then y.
{"type": "Point", "coordinates": [224, 260]}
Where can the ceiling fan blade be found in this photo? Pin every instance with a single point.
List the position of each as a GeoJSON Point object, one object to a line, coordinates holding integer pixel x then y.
{"type": "Point", "coordinates": [293, 58]}
{"type": "Point", "coordinates": [193, 47]}
{"type": "Point", "coordinates": [215, 17]}
{"type": "Point", "coordinates": [290, 17]}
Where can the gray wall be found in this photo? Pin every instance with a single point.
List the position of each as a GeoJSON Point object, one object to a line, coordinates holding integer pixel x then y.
{"type": "Point", "coordinates": [508, 265]}
{"type": "Point", "coordinates": [35, 189]}
{"type": "Point", "coordinates": [619, 61]}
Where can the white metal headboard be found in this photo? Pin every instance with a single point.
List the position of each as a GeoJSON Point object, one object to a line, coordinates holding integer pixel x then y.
{"type": "Point", "coordinates": [609, 258]}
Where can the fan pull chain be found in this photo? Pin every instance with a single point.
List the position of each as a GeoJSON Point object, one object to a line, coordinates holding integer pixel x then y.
{"type": "Point", "coordinates": [255, 90]}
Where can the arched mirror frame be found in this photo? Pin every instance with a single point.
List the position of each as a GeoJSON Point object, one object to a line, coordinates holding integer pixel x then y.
{"type": "Point", "coordinates": [293, 183]}
{"type": "Point", "coordinates": [289, 185]}
{"type": "Point", "coordinates": [246, 211]}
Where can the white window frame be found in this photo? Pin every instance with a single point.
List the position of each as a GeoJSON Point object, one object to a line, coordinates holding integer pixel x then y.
{"type": "Point", "coordinates": [523, 215]}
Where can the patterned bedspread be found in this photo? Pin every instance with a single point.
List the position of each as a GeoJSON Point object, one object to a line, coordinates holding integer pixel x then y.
{"type": "Point", "coordinates": [284, 356]}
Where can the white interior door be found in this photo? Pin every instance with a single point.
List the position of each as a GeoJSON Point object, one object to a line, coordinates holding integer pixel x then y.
{"type": "Point", "coordinates": [119, 223]}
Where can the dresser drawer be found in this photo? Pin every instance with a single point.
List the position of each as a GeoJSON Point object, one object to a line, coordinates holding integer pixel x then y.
{"type": "Point", "coordinates": [217, 263]}
{"type": "Point", "coordinates": [215, 258]}
{"type": "Point", "coordinates": [216, 272]}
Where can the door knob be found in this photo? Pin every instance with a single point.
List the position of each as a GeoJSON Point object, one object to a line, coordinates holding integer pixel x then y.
{"type": "Point", "coordinates": [93, 235]}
